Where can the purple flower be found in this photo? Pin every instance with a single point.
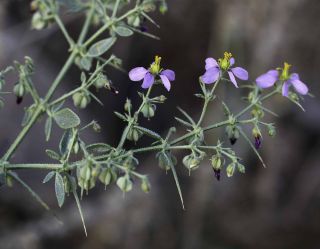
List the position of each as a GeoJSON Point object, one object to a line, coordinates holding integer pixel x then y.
{"type": "Point", "coordinates": [282, 74]}
{"type": "Point", "coordinates": [214, 70]}
{"type": "Point", "coordinates": [149, 75]}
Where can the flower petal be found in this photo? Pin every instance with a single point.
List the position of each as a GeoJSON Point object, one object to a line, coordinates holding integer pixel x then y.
{"type": "Point", "coordinates": [148, 80]}
{"type": "Point", "coordinates": [211, 75]}
{"type": "Point", "coordinates": [232, 61]}
{"type": "Point", "coordinates": [137, 73]}
{"type": "Point", "coordinates": [274, 73]}
{"type": "Point", "coordinates": [294, 76]}
{"type": "Point", "coordinates": [240, 73]}
{"type": "Point", "coordinates": [210, 62]}
{"type": "Point", "coordinates": [169, 73]}
{"type": "Point", "coordinates": [268, 79]}
{"type": "Point", "coordinates": [300, 87]}
{"type": "Point", "coordinates": [285, 88]}
{"type": "Point", "coordinates": [165, 82]}
{"type": "Point", "coordinates": [233, 79]}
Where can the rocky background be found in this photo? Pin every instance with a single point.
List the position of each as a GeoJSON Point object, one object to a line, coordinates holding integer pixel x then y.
{"type": "Point", "coordinates": [277, 207]}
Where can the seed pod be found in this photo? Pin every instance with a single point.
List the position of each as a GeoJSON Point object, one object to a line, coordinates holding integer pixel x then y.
{"type": "Point", "coordinates": [133, 135]}
{"type": "Point", "coordinates": [148, 110]}
{"type": "Point", "coordinates": [230, 169]}
{"type": "Point", "coordinates": [9, 181]}
{"type": "Point", "coordinates": [107, 176]}
{"type": "Point", "coordinates": [77, 98]}
{"type": "Point", "coordinates": [124, 183]}
{"type": "Point", "coordinates": [191, 162]}
{"type": "Point", "coordinates": [163, 162]}
{"type": "Point", "coordinates": [148, 7]}
{"type": "Point", "coordinates": [96, 127]}
{"type": "Point", "coordinates": [84, 101]}
{"type": "Point", "coordinates": [101, 81]}
{"type": "Point", "coordinates": [257, 137]}
{"type": "Point", "coordinates": [95, 171]}
{"type": "Point", "coordinates": [134, 21]}
{"type": "Point", "coordinates": [85, 172]}
{"type": "Point", "coordinates": [38, 22]}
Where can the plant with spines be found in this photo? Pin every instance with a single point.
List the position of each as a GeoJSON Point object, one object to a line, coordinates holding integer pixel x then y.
{"type": "Point", "coordinates": [78, 165]}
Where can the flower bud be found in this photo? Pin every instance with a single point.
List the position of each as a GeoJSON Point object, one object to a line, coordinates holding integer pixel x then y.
{"type": "Point", "coordinates": [216, 163]}
{"type": "Point", "coordinates": [96, 127]}
{"type": "Point", "coordinates": [232, 133]}
{"type": "Point", "coordinates": [67, 185]}
{"type": "Point", "coordinates": [230, 169]}
{"type": "Point", "coordinates": [76, 147]}
{"type": "Point", "coordinates": [271, 130]}
{"type": "Point", "coordinates": [163, 8]}
{"type": "Point", "coordinates": [145, 185]}
{"type": "Point", "coordinates": [128, 106]}
{"type": "Point", "coordinates": [19, 91]}
{"type": "Point", "coordinates": [148, 7]}
{"type": "Point", "coordinates": [257, 137]}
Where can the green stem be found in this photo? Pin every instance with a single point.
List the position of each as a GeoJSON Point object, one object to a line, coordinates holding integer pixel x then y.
{"type": "Point", "coordinates": [35, 166]}
{"type": "Point", "coordinates": [135, 117]}
{"type": "Point", "coordinates": [108, 25]}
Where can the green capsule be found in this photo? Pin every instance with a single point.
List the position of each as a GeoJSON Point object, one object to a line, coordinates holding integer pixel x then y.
{"type": "Point", "coordinates": [19, 90]}
{"type": "Point", "coordinates": [216, 162]}
{"type": "Point", "coordinates": [163, 162]}
{"type": "Point", "coordinates": [77, 98]}
{"type": "Point", "coordinates": [85, 172]}
{"type": "Point", "coordinates": [125, 184]}
{"type": "Point", "coordinates": [84, 102]}
{"type": "Point", "coordinates": [191, 162]}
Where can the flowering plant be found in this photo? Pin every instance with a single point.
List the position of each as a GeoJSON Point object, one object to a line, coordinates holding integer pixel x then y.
{"type": "Point", "coordinates": [79, 165]}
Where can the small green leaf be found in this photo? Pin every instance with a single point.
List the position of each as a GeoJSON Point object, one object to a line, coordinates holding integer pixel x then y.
{"type": "Point", "coordinates": [64, 145]}
{"type": "Point", "coordinates": [59, 188]}
{"type": "Point", "coordinates": [123, 31]}
{"type": "Point", "coordinates": [48, 177]}
{"type": "Point", "coordinates": [66, 119]}
{"type": "Point", "coordinates": [47, 128]}
{"type": "Point", "coordinates": [149, 132]}
{"type": "Point", "coordinates": [101, 47]}
{"type": "Point", "coordinates": [52, 154]}
{"type": "Point", "coordinates": [98, 148]}
{"type": "Point", "coordinates": [86, 63]}
{"type": "Point", "coordinates": [57, 107]}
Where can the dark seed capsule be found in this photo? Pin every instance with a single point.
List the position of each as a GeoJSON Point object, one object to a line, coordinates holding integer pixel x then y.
{"type": "Point", "coordinates": [217, 173]}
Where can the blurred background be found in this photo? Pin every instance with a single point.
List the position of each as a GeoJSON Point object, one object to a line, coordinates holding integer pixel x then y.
{"type": "Point", "coordinates": [277, 207]}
